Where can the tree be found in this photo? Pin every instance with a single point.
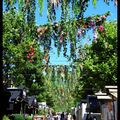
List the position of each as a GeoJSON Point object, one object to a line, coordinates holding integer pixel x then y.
{"type": "Point", "coordinates": [100, 61]}
{"type": "Point", "coordinates": [22, 58]}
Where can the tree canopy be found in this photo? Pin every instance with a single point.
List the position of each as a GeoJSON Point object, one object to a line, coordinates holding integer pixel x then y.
{"type": "Point", "coordinates": [99, 65]}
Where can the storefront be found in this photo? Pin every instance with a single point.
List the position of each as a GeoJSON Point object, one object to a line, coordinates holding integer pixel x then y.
{"type": "Point", "coordinates": [112, 92]}
{"type": "Point", "coordinates": [108, 103]}
{"type": "Point", "coordinates": [17, 101]}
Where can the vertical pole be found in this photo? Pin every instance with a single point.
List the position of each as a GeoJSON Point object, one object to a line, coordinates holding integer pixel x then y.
{"type": "Point", "coordinates": [24, 106]}
{"type": "Point", "coordinates": [21, 108]}
{"type": "Point", "coordinates": [113, 108]}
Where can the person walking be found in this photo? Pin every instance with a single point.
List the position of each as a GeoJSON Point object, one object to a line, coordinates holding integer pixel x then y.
{"type": "Point", "coordinates": [69, 117]}
{"type": "Point", "coordinates": [62, 116]}
{"type": "Point", "coordinates": [74, 117]}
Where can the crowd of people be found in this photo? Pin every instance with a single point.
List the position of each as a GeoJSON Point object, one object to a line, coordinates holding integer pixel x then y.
{"type": "Point", "coordinates": [60, 116]}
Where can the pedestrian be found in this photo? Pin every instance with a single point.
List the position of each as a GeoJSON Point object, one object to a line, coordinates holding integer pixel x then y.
{"type": "Point", "coordinates": [69, 117]}
{"type": "Point", "coordinates": [62, 116]}
{"type": "Point", "coordinates": [55, 116]}
{"type": "Point", "coordinates": [58, 115]}
{"type": "Point", "coordinates": [48, 117]}
{"type": "Point", "coordinates": [66, 116]}
{"type": "Point", "coordinates": [89, 117]}
{"type": "Point", "coordinates": [74, 117]}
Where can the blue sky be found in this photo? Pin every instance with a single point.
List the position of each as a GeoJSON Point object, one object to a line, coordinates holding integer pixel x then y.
{"type": "Point", "coordinates": [101, 8]}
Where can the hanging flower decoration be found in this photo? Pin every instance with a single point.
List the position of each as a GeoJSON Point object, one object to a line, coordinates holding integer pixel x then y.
{"type": "Point", "coordinates": [72, 31]}
{"type": "Point", "coordinates": [95, 36]}
{"type": "Point", "coordinates": [100, 28]}
{"type": "Point", "coordinates": [30, 54]}
{"type": "Point", "coordinates": [61, 37]}
{"type": "Point", "coordinates": [103, 17]}
{"type": "Point", "coordinates": [92, 23]}
{"type": "Point", "coordinates": [41, 30]}
{"type": "Point", "coordinates": [27, 2]}
{"type": "Point", "coordinates": [46, 57]}
{"type": "Point", "coordinates": [54, 2]}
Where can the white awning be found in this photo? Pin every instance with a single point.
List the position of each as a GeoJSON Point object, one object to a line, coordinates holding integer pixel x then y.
{"type": "Point", "coordinates": [111, 87]}
{"type": "Point", "coordinates": [113, 92]}
{"type": "Point", "coordinates": [105, 97]}
{"type": "Point", "coordinates": [100, 93]}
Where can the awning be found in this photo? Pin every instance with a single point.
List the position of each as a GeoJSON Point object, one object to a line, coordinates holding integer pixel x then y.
{"type": "Point", "coordinates": [104, 97]}
{"type": "Point", "coordinates": [100, 94]}
{"type": "Point", "coordinates": [14, 95]}
{"type": "Point", "coordinates": [113, 92]}
{"type": "Point", "coordinates": [111, 87]}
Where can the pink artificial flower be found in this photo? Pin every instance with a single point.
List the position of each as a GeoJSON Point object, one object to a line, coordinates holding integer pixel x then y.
{"type": "Point", "coordinates": [92, 23]}
{"type": "Point", "coordinates": [61, 38]}
{"type": "Point", "coordinates": [104, 17]}
{"type": "Point", "coordinates": [38, 30]}
{"type": "Point", "coordinates": [28, 56]}
{"type": "Point", "coordinates": [101, 28]}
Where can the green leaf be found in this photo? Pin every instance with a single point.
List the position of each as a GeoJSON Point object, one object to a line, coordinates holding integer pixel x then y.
{"type": "Point", "coordinates": [20, 4]}
{"type": "Point", "coordinates": [41, 5]}
{"type": "Point", "coordinates": [94, 3]}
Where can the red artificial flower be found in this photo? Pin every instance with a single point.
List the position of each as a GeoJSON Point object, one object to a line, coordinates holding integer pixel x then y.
{"type": "Point", "coordinates": [85, 26]}
{"type": "Point", "coordinates": [80, 21]}
{"type": "Point", "coordinates": [31, 61]}
{"type": "Point", "coordinates": [29, 54]}
{"type": "Point", "coordinates": [31, 48]}
{"type": "Point", "coordinates": [101, 28]}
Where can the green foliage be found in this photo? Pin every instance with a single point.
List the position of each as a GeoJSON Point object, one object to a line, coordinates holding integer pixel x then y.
{"type": "Point", "coordinates": [5, 117]}
{"type": "Point", "coordinates": [94, 2]}
{"type": "Point", "coordinates": [42, 112]}
{"type": "Point", "coordinates": [28, 117]}
{"type": "Point", "coordinates": [18, 116]}
{"type": "Point", "coordinates": [40, 2]}
{"type": "Point", "coordinates": [18, 37]}
{"type": "Point", "coordinates": [100, 62]}
{"type": "Point", "coordinates": [106, 1]}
